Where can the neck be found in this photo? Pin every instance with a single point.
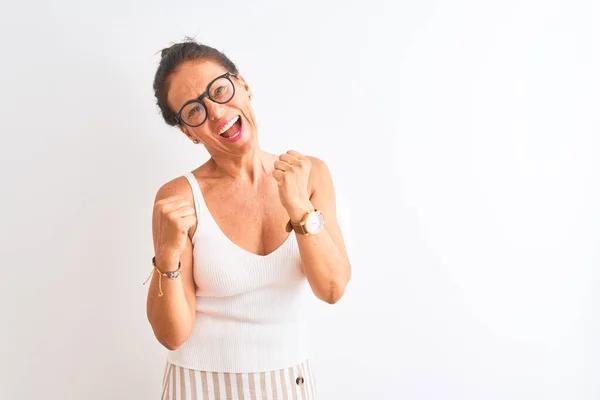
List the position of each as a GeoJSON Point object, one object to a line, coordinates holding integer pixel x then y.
{"type": "Point", "coordinates": [249, 167]}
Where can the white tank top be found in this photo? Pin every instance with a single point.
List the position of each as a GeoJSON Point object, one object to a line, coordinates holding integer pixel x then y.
{"type": "Point", "coordinates": [249, 308]}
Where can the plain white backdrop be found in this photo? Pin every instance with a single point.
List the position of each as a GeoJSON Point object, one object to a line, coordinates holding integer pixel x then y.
{"type": "Point", "coordinates": [463, 139]}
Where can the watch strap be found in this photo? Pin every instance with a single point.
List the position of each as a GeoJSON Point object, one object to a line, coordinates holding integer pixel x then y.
{"type": "Point", "coordinates": [299, 227]}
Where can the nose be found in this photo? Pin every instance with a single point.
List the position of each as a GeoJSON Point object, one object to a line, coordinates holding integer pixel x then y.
{"type": "Point", "coordinates": [214, 110]}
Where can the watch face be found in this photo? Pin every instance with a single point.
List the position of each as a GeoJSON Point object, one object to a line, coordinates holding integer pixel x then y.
{"type": "Point", "coordinates": [314, 223]}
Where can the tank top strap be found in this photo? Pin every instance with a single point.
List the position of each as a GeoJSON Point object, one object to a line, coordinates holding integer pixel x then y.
{"type": "Point", "coordinates": [196, 193]}
{"type": "Point", "coordinates": [202, 213]}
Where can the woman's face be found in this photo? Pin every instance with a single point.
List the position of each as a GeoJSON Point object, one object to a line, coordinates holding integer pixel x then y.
{"type": "Point", "coordinates": [188, 83]}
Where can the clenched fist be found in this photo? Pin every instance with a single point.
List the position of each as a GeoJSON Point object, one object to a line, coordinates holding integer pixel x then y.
{"type": "Point", "coordinates": [291, 173]}
{"type": "Point", "coordinates": [172, 219]}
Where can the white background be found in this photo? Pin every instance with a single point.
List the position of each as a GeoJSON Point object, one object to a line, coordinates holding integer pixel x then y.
{"type": "Point", "coordinates": [463, 138]}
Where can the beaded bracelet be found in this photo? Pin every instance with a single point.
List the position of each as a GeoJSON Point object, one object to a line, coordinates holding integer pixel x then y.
{"type": "Point", "coordinates": [171, 275]}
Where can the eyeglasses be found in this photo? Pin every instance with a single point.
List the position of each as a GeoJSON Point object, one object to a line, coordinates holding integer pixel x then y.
{"type": "Point", "coordinates": [221, 90]}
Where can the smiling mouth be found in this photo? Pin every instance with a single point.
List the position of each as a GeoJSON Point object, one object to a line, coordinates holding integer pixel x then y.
{"type": "Point", "coordinates": [231, 129]}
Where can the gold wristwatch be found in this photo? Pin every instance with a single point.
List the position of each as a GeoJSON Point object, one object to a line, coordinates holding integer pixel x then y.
{"type": "Point", "coordinates": [311, 224]}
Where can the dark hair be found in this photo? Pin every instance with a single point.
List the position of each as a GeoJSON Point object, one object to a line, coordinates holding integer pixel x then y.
{"type": "Point", "coordinates": [172, 58]}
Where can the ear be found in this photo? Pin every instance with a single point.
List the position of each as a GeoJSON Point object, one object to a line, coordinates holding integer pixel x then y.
{"type": "Point", "coordinates": [243, 83]}
{"type": "Point", "coordinates": [187, 132]}
{"type": "Point", "coordinates": [184, 128]}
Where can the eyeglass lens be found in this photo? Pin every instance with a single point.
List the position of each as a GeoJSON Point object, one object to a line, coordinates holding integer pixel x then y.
{"type": "Point", "coordinates": [220, 91]}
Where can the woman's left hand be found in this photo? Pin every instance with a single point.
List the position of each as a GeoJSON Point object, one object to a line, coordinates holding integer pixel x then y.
{"type": "Point", "coordinates": [291, 173]}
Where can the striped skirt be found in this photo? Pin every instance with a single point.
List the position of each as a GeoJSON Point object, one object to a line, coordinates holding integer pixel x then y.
{"type": "Point", "coordinates": [294, 383]}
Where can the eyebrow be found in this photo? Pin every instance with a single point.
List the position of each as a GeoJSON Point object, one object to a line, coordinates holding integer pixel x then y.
{"type": "Point", "coordinates": [192, 99]}
{"type": "Point", "coordinates": [206, 88]}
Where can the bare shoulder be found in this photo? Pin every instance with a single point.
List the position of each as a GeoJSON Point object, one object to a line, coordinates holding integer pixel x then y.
{"type": "Point", "coordinates": [320, 175]}
{"type": "Point", "coordinates": [180, 185]}
{"type": "Point", "coordinates": [318, 165]}
{"type": "Point", "coordinates": [176, 187]}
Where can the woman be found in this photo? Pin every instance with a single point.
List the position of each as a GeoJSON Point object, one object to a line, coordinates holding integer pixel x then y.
{"type": "Point", "coordinates": [239, 242]}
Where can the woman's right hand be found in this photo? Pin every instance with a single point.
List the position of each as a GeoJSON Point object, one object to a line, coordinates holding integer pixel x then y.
{"type": "Point", "coordinates": [172, 218]}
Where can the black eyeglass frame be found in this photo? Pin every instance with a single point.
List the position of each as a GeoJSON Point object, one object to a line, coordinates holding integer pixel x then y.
{"type": "Point", "coordinates": [227, 76]}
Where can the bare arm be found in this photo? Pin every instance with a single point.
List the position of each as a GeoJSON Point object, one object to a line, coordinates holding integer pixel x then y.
{"type": "Point", "coordinates": [172, 315]}
{"type": "Point", "coordinates": [324, 257]}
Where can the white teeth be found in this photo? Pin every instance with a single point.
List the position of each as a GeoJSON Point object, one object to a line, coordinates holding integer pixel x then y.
{"type": "Point", "coordinates": [229, 125]}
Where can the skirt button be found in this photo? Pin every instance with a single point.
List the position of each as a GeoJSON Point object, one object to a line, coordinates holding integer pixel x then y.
{"type": "Point", "coordinates": [299, 380]}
